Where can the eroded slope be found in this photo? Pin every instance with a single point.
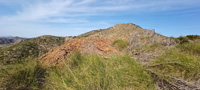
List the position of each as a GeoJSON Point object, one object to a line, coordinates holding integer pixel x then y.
{"type": "Point", "coordinates": [92, 46]}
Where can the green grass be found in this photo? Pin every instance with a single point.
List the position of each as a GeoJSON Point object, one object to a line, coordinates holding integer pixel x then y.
{"type": "Point", "coordinates": [148, 48]}
{"type": "Point", "coordinates": [191, 48]}
{"type": "Point", "coordinates": [79, 72]}
{"type": "Point", "coordinates": [23, 76]}
{"type": "Point", "coordinates": [91, 72]}
{"type": "Point", "coordinates": [179, 62]}
{"type": "Point", "coordinates": [120, 44]}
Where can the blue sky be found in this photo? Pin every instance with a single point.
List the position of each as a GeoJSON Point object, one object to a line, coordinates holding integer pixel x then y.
{"type": "Point", "coordinates": [32, 18]}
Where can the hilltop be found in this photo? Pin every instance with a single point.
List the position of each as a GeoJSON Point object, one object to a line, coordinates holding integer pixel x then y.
{"type": "Point", "coordinates": [119, 31]}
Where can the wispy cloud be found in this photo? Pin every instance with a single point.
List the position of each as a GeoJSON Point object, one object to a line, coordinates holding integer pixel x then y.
{"type": "Point", "coordinates": [33, 14]}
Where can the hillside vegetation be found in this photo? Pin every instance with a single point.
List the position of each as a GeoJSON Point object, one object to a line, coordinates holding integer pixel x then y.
{"type": "Point", "coordinates": [91, 72]}
{"type": "Point", "coordinates": [180, 66]}
{"type": "Point", "coordinates": [30, 48]}
{"type": "Point", "coordinates": [122, 57]}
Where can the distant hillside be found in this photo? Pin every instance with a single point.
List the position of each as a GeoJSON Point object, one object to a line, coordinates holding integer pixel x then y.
{"type": "Point", "coordinates": [29, 48]}
{"type": "Point", "coordinates": [6, 41]}
{"type": "Point", "coordinates": [10, 40]}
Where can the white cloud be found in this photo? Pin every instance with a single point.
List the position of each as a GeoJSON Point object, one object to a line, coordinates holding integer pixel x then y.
{"type": "Point", "coordinates": [34, 13]}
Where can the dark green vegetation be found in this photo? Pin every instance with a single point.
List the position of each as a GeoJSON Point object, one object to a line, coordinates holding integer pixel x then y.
{"type": "Point", "coordinates": [30, 48]}
{"type": "Point", "coordinates": [193, 37]}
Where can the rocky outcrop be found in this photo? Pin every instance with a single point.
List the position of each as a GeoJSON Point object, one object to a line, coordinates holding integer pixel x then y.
{"type": "Point", "coordinates": [92, 46]}
{"type": "Point", "coordinates": [147, 44]}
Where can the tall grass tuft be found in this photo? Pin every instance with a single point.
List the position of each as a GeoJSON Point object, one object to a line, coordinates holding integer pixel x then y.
{"type": "Point", "coordinates": [176, 63]}
{"type": "Point", "coordinates": [23, 76]}
{"type": "Point", "coordinates": [93, 72]}
{"type": "Point", "coordinates": [191, 48]}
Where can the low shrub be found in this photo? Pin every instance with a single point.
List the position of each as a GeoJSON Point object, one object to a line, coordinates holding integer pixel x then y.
{"type": "Point", "coordinates": [182, 40]}
{"type": "Point", "coordinates": [120, 44]}
{"type": "Point", "coordinates": [193, 37]}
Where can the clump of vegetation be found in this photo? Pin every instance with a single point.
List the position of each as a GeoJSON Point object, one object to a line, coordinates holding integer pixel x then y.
{"type": "Point", "coordinates": [120, 44]}
{"type": "Point", "coordinates": [182, 40]}
{"type": "Point", "coordinates": [193, 37]}
{"type": "Point", "coordinates": [191, 48]}
{"type": "Point", "coordinates": [91, 72]}
{"type": "Point", "coordinates": [23, 76]}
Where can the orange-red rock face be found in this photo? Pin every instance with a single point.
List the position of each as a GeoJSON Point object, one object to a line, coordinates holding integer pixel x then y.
{"type": "Point", "coordinates": [93, 46]}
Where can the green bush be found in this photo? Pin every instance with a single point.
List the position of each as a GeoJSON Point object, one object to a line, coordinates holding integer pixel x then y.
{"type": "Point", "coordinates": [120, 44]}
{"type": "Point", "coordinates": [182, 40]}
{"type": "Point", "coordinates": [193, 37]}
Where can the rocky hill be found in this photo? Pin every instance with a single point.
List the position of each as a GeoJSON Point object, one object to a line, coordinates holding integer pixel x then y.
{"type": "Point", "coordinates": [140, 40]}
{"type": "Point", "coordinates": [146, 46]}
{"type": "Point", "coordinates": [119, 31]}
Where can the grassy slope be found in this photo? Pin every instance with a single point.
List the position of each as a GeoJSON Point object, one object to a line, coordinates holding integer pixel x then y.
{"type": "Point", "coordinates": [19, 69]}
{"type": "Point", "coordinates": [182, 61]}
{"type": "Point", "coordinates": [31, 48]}
{"type": "Point", "coordinates": [80, 72]}
{"type": "Point", "coordinates": [22, 76]}
{"type": "Point", "coordinates": [91, 72]}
